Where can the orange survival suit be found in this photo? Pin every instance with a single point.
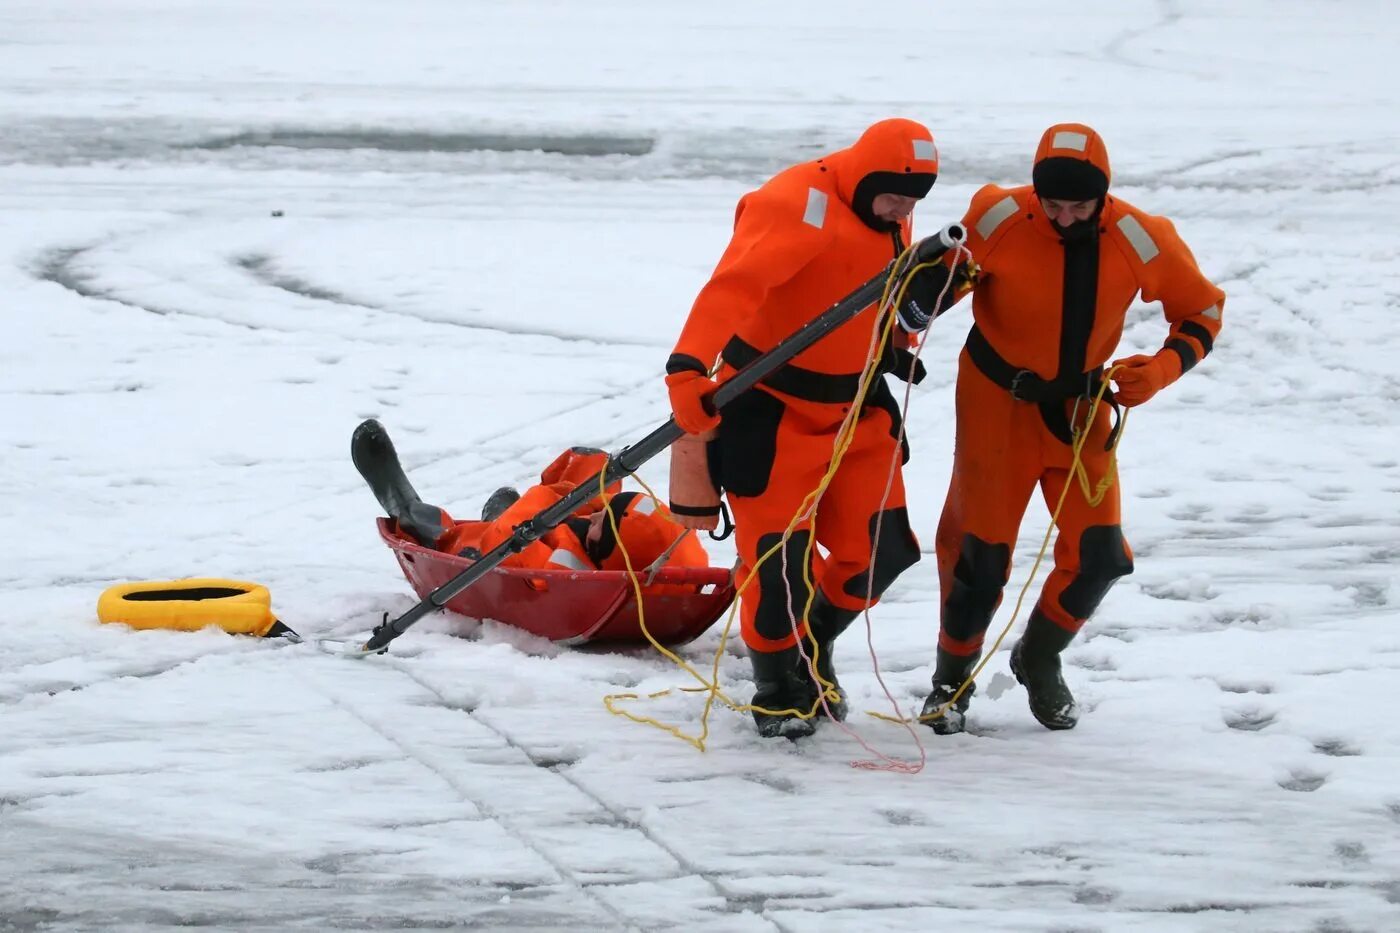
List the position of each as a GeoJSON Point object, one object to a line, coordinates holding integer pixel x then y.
{"type": "Point", "coordinates": [586, 540]}
{"type": "Point", "coordinates": [801, 242]}
{"type": "Point", "coordinates": [1048, 311]}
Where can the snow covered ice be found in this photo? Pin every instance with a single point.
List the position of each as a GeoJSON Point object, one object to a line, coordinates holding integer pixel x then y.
{"type": "Point", "coordinates": [494, 217]}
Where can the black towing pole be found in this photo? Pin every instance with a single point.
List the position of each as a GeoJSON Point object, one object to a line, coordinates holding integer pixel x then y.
{"type": "Point", "coordinates": [630, 459]}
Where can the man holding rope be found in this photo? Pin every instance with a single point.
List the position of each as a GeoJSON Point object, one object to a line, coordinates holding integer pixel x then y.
{"type": "Point", "coordinates": [801, 242]}
{"type": "Point", "coordinates": [1060, 261]}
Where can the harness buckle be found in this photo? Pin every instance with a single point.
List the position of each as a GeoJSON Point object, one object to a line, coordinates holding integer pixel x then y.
{"type": "Point", "coordinates": [1026, 377]}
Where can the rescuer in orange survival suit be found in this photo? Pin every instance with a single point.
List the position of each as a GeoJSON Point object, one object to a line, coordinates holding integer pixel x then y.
{"type": "Point", "coordinates": [1060, 262]}
{"type": "Point", "coordinates": [801, 242]}
{"type": "Point", "coordinates": [585, 541]}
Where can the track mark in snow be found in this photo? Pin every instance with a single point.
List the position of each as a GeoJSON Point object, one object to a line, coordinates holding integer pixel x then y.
{"type": "Point", "coordinates": [1260, 617]}
{"type": "Point", "coordinates": [1096, 896]}
{"type": "Point", "coordinates": [1216, 907]}
{"type": "Point", "coordinates": [1190, 511]}
{"type": "Point", "coordinates": [1094, 662]}
{"type": "Point", "coordinates": [263, 269]}
{"type": "Point", "coordinates": [733, 904]}
{"type": "Point", "coordinates": [1250, 719]}
{"type": "Point", "coordinates": [1369, 594]}
{"type": "Point", "coordinates": [1351, 853]}
{"type": "Point", "coordinates": [902, 817]}
{"type": "Point", "coordinates": [56, 266]}
{"type": "Point", "coordinates": [1210, 162]}
{"type": "Point", "coordinates": [25, 919]}
{"type": "Point", "coordinates": [260, 267]}
{"type": "Point", "coordinates": [1336, 748]}
{"type": "Point", "coordinates": [56, 688]}
{"type": "Point", "coordinates": [1303, 780]}
{"type": "Point", "coordinates": [1230, 686]}
{"type": "Point", "coordinates": [772, 781]}
{"type": "Point", "coordinates": [353, 764]}
{"type": "Point", "coordinates": [94, 772]}
{"type": "Point", "coordinates": [984, 731]}
{"type": "Point", "coordinates": [1168, 15]}
{"type": "Point", "coordinates": [507, 824]}
{"type": "Point", "coordinates": [555, 763]}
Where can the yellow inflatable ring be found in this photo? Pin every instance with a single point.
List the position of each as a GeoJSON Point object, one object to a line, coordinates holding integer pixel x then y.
{"type": "Point", "coordinates": [189, 605]}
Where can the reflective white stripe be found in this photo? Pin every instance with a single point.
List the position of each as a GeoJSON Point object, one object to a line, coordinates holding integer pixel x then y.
{"type": "Point", "coordinates": [925, 149]}
{"type": "Point", "coordinates": [1213, 312]}
{"type": "Point", "coordinates": [816, 208]}
{"type": "Point", "coordinates": [568, 559]}
{"type": "Point", "coordinates": [1067, 139]}
{"type": "Point", "coordinates": [645, 506]}
{"type": "Point", "coordinates": [1140, 239]}
{"type": "Point", "coordinates": [998, 212]}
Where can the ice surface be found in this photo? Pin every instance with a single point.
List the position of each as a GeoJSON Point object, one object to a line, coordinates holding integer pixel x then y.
{"type": "Point", "coordinates": [493, 217]}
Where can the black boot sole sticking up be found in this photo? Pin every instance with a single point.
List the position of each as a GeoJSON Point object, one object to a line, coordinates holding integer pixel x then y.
{"type": "Point", "coordinates": [374, 456]}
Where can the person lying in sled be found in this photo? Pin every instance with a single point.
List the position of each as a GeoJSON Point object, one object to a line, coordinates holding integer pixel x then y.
{"type": "Point", "coordinates": [584, 541]}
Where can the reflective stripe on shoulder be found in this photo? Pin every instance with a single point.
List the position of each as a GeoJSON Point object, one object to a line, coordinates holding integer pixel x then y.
{"type": "Point", "coordinates": [568, 559]}
{"type": "Point", "coordinates": [1139, 238]}
{"type": "Point", "coordinates": [815, 214]}
{"type": "Point", "coordinates": [998, 212]}
{"type": "Point", "coordinates": [1213, 312]}
{"type": "Point", "coordinates": [1068, 139]}
{"type": "Point", "coordinates": [645, 506]}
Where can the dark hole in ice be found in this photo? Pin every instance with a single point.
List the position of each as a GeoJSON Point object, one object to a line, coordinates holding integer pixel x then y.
{"type": "Point", "coordinates": [583, 144]}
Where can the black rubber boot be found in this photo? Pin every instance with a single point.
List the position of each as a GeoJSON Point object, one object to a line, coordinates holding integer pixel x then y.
{"type": "Point", "coordinates": [374, 456]}
{"type": "Point", "coordinates": [498, 502]}
{"type": "Point", "coordinates": [826, 622]}
{"type": "Point", "coordinates": [949, 674]}
{"type": "Point", "coordinates": [780, 687]}
{"type": "Point", "coordinates": [1036, 663]}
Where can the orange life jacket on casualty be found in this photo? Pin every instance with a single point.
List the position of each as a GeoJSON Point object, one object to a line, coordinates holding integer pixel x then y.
{"type": "Point", "coordinates": [584, 541]}
{"type": "Point", "coordinates": [1059, 324]}
{"type": "Point", "coordinates": [802, 246]}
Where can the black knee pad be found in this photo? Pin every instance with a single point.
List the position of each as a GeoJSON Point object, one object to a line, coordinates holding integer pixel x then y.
{"type": "Point", "coordinates": [894, 552]}
{"type": "Point", "coordinates": [771, 619]}
{"type": "Point", "coordinates": [978, 579]}
{"type": "Point", "coordinates": [1103, 558]}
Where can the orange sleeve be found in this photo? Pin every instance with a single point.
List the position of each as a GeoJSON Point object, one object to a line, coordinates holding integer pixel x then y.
{"type": "Point", "coordinates": [989, 203]}
{"type": "Point", "coordinates": [535, 500]}
{"type": "Point", "coordinates": [1191, 303]}
{"type": "Point", "coordinates": [770, 245]}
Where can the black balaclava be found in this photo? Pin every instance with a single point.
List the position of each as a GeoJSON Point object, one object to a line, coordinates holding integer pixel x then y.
{"type": "Point", "coordinates": [1060, 178]}
{"type": "Point", "coordinates": [911, 185]}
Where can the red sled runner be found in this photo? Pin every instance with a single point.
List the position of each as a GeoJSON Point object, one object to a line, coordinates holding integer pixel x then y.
{"type": "Point", "coordinates": [597, 607]}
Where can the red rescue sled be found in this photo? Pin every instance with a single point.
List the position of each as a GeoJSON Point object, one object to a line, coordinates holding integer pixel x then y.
{"type": "Point", "coordinates": [569, 607]}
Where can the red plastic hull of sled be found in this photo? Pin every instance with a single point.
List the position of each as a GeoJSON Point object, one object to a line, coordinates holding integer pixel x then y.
{"type": "Point", "coordinates": [570, 607]}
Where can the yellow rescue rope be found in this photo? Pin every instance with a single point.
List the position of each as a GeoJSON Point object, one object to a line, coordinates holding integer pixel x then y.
{"type": "Point", "coordinates": [1093, 494]}
{"type": "Point", "coordinates": [896, 284]}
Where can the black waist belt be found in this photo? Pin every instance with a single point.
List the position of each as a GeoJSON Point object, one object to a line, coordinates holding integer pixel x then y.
{"type": "Point", "coordinates": [1049, 394]}
{"type": "Point", "coordinates": [1024, 385]}
{"type": "Point", "coordinates": [806, 384]}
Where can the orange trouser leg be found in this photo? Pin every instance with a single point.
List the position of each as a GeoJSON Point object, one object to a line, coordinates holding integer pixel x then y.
{"type": "Point", "coordinates": [786, 449]}
{"type": "Point", "coordinates": [1090, 551]}
{"type": "Point", "coordinates": [865, 528]}
{"type": "Point", "coordinates": [996, 464]}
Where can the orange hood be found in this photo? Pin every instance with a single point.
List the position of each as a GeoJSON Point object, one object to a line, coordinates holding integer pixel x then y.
{"type": "Point", "coordinates": [893, 156]}
{"type": "Point", "coordinates": [1071, 164]}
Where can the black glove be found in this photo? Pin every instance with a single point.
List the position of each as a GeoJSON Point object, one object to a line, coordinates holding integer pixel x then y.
{"type": "Point", "coordinates": [918, 310]}
{"type": "Point", "coordinates": [909, 367]}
